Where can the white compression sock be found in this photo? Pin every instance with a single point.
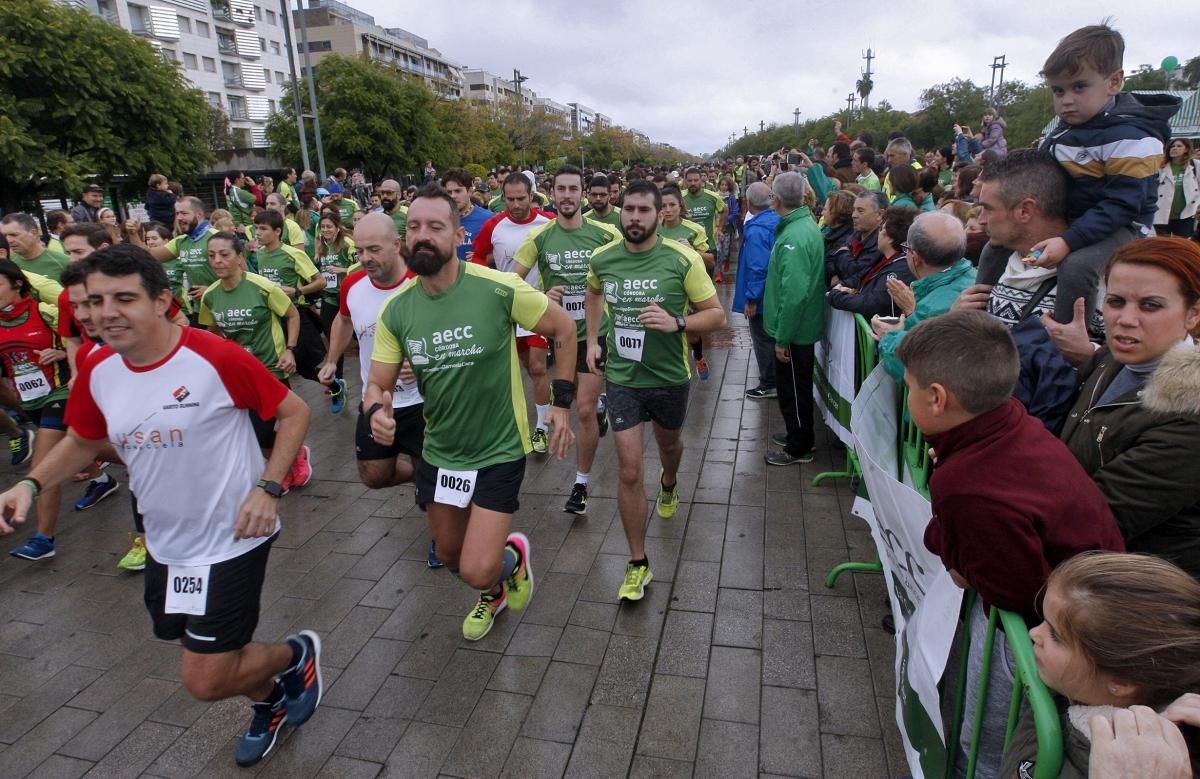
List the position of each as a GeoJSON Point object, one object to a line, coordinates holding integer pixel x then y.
{"type": "Point", "coordinates": [581, 478]}
{"type": "Point", "coordinates": [542, 411]}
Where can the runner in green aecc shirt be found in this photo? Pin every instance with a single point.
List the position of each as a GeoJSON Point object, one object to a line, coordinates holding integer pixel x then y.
{"type": "Point", "coordinates": [454, 324]}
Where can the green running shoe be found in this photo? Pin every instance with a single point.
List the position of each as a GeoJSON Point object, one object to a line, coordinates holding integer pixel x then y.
{"type": "Point", "coordinates": [636, 578]}
{"type": "Point", "coordinates": [668, 502]}
{"type": "Point", "coordinates": [479, 622]}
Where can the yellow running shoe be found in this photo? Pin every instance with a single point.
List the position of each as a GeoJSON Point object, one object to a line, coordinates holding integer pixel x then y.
{"type": "Point", "coordinates": [637, 576]}
{"type": "Point", "coordinates": [479, 622]}
{"type": "Point", "coordinates": [135, 558]}
{"type": "Point", "coordinates": [668, 502]}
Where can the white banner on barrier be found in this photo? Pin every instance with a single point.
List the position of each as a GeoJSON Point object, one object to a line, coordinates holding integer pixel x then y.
{"type": "Point", "coordinates": [925, 602]}
{"type": "Point", "coordinates": [833, 372]}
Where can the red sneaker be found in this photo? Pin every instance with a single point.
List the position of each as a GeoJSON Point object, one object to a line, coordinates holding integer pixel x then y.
{"type": "Point", "coordinates": [301, 472]}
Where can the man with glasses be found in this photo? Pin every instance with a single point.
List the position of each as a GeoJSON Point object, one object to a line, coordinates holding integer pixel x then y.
{"type": "Point", "coordinates": [389, 200]}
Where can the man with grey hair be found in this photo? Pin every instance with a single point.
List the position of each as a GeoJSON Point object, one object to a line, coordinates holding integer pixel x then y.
{"type": "Point", "coordinates": [936, 243]}
{"type": "Point", "coordinates": [758, 238]}
{"type": "Point", "coordinates": [794, 315]}
{"type": "Point", "coordinates": [899, 151]}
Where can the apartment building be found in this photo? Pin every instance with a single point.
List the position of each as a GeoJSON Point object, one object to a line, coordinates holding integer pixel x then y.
{"type": "Point", "coordinates": [488, 89]}
{"type": "Point", "coordinates": [234, 51]}
{"type": "Point", "coordinates": [333, 27]}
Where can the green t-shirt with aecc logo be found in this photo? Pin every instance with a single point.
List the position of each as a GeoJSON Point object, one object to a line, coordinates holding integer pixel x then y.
{"type": "Point", "coordinates": [286, 266]}
{"type": "Point", "coordinates": [669, 274]}
{"type": "Point", "coordinates": [193, 259]}
{"type": "Point", "coordinates": [689, 231]}
{"type": "Point", "coordinates": [328, 259]}
{"type": "Point", "coordinates": [250, 315]}
{"type": "Point", "coordinates": [462, 347]}
{"type": "Point", "coordinates": [562, 257]}
{"type": "Point", "coordinates": [703, 209]}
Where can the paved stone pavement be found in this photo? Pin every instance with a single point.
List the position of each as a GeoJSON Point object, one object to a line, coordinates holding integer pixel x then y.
{"type": "Point", "coordinates": [738, 662]}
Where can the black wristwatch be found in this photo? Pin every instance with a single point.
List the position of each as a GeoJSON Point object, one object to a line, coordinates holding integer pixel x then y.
{"type": "Point", "coordinates": [681, 321]}
{"type": "Point", "coordinates": [272, 488]}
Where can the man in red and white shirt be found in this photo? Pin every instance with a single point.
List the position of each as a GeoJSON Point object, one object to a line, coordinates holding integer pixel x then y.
{"type": "Point", "coordinates": [496, 245]}
{"type": "Point", "coordinates": [169, 398]}
{"type": "Point", "coordinates": [363, 294]}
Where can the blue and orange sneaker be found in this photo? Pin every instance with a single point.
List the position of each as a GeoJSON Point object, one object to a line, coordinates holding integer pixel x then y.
{"type": "Point", "coordinates": [302, 682]}
{"type": "Point", "coordinates": [259, 739]}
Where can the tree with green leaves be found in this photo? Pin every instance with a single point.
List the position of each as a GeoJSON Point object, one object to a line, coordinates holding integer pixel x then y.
{"type": "Point", "coordinates": [467, 135]}
{"type": "Point", "coordinates": [373, 118]}
{"type": "Point", "coordinates": [120, 107]}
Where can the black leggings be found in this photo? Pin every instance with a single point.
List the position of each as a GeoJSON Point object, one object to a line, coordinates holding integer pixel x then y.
{"type": "Point", "coordinates": [329, 312]}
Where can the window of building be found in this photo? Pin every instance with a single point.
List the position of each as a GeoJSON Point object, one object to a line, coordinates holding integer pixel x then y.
{"type": "Point", "coordinates": [262, 42]}
{"type": "Point", "coordinates": [139, 20]}
{"type": "Point", "coordinates": [478, 87]}
{"type": "Point", "coordinates": [271, 17]}
{"type": "Point", "coordinates": [214, 99]}
{"type": "Point", "coordinates": [320, 46]}
{"type": "Point", "coordinates": [169, 55]}
{"type": "Point", "coordinates": [271, 105]}
{"type": "Point", "coordinates": [266, 75]}
{"type": "Point", "coordinates": [210, 65]}
{"type": "Point", "coordinates": [237, 107]}
{"type": "Point", "coordinates": [189, 61]}
{"type": "Point", "coordinates": [258, 13]}
{"type": "Point", "coordinates": [202, 29]}
{"type": "Point", "coordinates": [275, 47]}
{"type": "Point", "coordinates": [185, 24]}
{"type": "Point", "coordinates": [279, 77]}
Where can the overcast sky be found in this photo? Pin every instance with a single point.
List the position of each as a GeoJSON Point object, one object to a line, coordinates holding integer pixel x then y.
{"type": "Point", "coordinates": [690, 73]}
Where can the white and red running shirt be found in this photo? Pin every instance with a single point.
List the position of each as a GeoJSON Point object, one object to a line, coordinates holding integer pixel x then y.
{"type": "Point", "coordinates": [183, 429]}
{"type": "Point", "coordinates": [361, 301]}
{"type": "Point", "coordinates": [500, 237]}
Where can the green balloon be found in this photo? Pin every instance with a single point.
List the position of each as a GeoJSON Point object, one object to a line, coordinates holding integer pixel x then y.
{"type": "Point", "coordinates": [1170, 63]}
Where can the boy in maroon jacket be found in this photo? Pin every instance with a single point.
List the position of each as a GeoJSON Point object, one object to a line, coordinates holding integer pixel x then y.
{"type": "Point", "coordinates": [1010, 501]}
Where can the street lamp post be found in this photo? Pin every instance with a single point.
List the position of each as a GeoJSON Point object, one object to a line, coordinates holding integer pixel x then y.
{"type": "Point", "coordinates": [518, 80]}
{"type": "Point", "coordinates": [287, 41]}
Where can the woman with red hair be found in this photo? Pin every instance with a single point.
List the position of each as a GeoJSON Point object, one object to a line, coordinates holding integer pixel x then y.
{"type": "Point", "coordinates": [1135, 424]}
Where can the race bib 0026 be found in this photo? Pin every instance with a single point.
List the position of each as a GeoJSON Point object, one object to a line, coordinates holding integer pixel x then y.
{"type": "Point", "coordinates": [455, 488]}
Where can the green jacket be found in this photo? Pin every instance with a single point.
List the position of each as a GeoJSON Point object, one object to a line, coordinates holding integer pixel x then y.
{"type": "Point", "coordinates": [935, 294]}
{"type": "Point", "coordinates": [794, 298]}
{"type": "Point", "coordinates": [241, 203]}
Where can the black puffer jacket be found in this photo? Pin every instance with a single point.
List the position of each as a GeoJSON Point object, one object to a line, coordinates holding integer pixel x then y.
{"type": "Point", "coordinates": [854, 257]}
{"type": "Point", "coordinates": [1143, 450]}
{"type": "Point", "coordinates": [872, 297]}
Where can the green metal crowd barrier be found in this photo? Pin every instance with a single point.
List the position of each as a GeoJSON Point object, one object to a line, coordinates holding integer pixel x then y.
{"type": "Point", "coordinates": [915, 461]}
{"type": "Point", "coordinates": [1028, 687]}
{"type": "Point", "coordinates": [866, 356]}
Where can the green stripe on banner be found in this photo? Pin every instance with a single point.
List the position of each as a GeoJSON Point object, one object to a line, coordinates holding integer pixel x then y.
{"type": "Point", "coordinates": [837, 405]}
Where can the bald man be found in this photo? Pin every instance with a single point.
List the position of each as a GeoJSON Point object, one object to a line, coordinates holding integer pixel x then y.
{"type": "Point", "coordinates": [936, 243]}
{"type": "Point", "coordinates": [363, 294]}
{"type": "Point", "coordinates": [389, 199]}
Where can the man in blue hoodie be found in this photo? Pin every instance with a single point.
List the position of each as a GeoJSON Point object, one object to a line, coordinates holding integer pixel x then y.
{"type": "Point", "coordinates": [757, 240]}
